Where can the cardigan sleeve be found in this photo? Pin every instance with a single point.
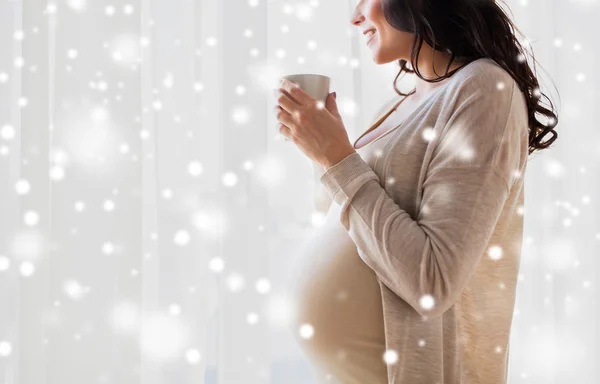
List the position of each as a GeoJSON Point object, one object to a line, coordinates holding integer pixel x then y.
{"type": "Point", "coordinates": [428, 261]}
{"type": "Point", "coordinates": [322, 199]}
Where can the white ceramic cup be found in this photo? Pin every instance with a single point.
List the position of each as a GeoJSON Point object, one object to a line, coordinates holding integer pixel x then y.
{"type": "Point", "coordinates": [317, 86]}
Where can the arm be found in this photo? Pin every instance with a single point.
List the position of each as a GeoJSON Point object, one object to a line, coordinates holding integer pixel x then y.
{"type": "Point", "coordinates": [430, 260]}
{"type": "Point", "coordinates": [322, 199]}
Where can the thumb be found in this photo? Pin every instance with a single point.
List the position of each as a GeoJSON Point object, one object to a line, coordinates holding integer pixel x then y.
{"type": "Point", "coordinates": [331, 105]}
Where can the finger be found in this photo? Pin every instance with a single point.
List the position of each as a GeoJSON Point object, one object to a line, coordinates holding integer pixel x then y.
{"type": "Point", "coordinates": [285, 132]}
{"type": "Point", "coordinates": [283, 116]}
{"type": "Point", "coordinates": [297, 93]}
{"type": "Point", "coordinates": [284, 100]}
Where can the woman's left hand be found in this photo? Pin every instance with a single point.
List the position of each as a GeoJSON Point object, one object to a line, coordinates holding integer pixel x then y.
{"type": "Point", "coordinates": [315, 127]}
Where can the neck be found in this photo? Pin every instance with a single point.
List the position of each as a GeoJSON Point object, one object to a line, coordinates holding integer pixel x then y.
{"type": "Point", "coordinates": [432, 69]}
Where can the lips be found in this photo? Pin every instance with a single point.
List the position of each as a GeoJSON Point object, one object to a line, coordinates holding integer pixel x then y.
{"type": "Point", "coordinates": [368, 30]}
{"type": "Point", "coordinates": [371, 38]}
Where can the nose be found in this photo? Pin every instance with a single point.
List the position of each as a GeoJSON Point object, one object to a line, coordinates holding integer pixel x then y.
{"type": "Point", "coordinates": [357, 17]}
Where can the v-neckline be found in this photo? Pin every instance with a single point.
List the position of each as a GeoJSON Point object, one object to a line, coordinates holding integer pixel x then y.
{"type": "Point", "coordinates": [410, 115]}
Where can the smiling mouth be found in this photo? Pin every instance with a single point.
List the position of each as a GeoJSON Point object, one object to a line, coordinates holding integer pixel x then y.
{"type": "Point", "coordinates": [371, 38]}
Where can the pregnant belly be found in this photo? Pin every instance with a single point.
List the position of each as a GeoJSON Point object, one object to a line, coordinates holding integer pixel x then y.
{"type": "Point", "coordinates": [339, 296]}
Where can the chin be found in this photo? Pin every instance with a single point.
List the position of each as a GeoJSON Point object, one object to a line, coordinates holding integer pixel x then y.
{"type": "Point", "coordinates": [379, 57]}
{"type": "Point", "coordinates": [376, 60]}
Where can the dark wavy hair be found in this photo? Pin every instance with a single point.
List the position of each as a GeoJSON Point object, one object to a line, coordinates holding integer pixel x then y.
{"type": "Point", "coordinates": [469, 30]}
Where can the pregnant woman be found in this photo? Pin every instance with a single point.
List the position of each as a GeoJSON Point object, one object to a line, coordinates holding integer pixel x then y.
{"type": "Point", "coordinates": [412, 277]}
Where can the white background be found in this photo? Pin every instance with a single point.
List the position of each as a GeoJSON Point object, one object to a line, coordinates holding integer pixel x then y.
{"type": "Point", "coordinates": [149, 209]}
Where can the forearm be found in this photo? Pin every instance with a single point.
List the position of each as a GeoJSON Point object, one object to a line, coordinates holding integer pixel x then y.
{"type": "Point", "coordinates": [321, 198]}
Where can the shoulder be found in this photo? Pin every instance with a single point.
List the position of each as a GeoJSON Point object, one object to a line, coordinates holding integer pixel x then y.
{"type": "Point", "coordinates": [483, 75]}
{"type": "Point", "coordinates": [483, 128]}
{"type": "Point", "coordinates": [483, 83]}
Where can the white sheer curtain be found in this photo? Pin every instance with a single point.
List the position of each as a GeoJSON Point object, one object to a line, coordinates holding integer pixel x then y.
{"type": "Point", "coordinates": [149, 210]}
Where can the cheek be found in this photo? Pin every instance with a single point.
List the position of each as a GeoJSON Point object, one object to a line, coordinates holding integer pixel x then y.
{"type": "Point", "coordinates": [375, 16]}
{"type": "Point", "coordinates": [374, 13]}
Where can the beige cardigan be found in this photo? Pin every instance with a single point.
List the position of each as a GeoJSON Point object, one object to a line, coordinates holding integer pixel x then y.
{"type": "Point", "coordinates": [439, 219]}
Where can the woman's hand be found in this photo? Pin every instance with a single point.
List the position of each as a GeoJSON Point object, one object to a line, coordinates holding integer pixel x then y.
{"type": "Point", "coordinates": [316, 128]}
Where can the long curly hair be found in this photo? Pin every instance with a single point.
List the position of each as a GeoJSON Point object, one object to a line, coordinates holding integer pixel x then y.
{"type": "Point", "coordinates": [469, 30]}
